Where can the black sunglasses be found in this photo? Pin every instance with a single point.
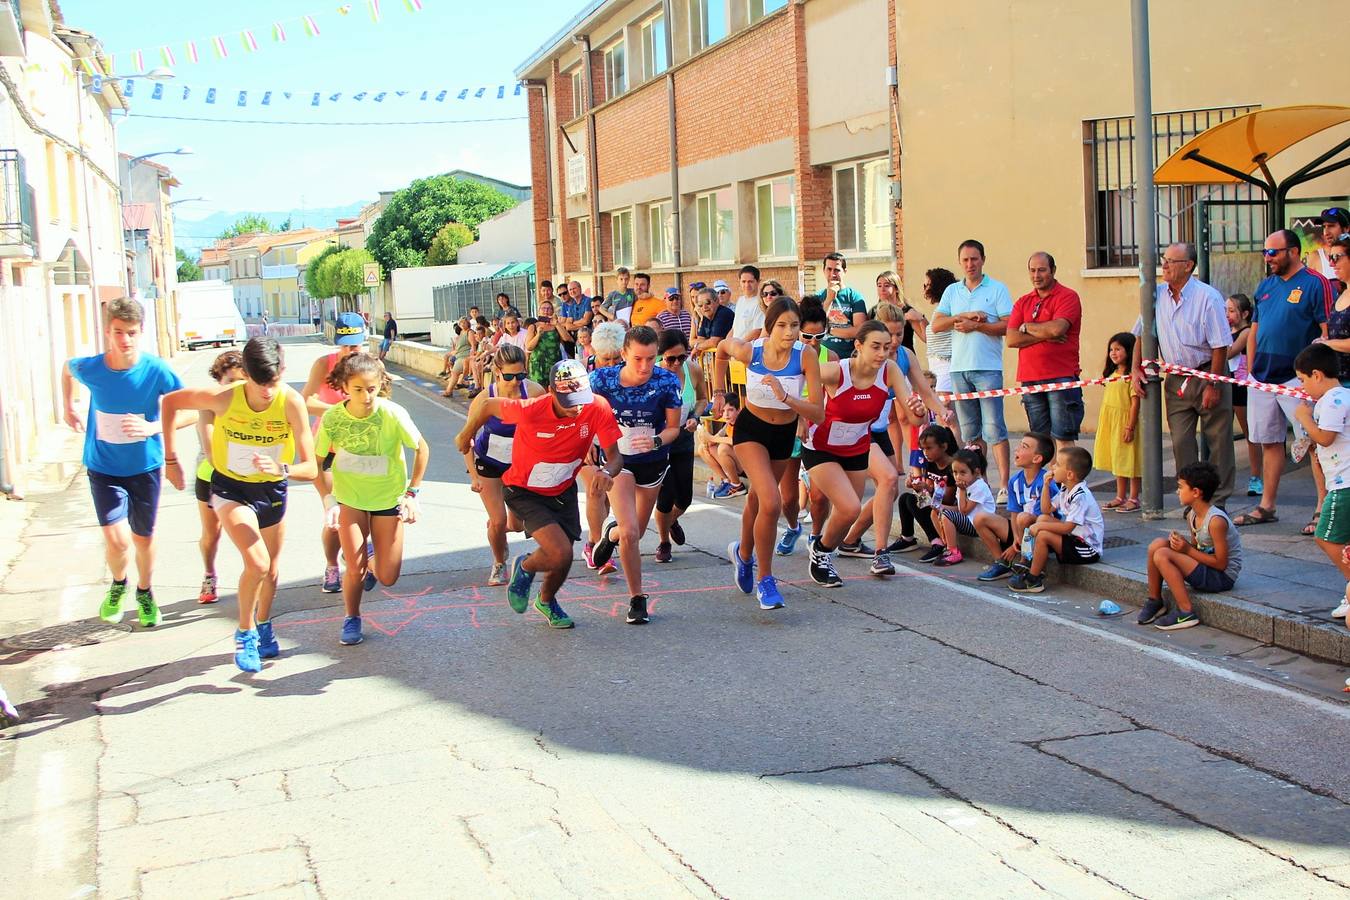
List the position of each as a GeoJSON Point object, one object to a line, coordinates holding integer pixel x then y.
{"type": "Point", "coordinates": [1333, 212]}
{"type": "Point", "coordinates": [674, 360]}
{"type": "Point", "coordinates": [511, 376]}
{"type": "Point", "coordinates": [770, 293]}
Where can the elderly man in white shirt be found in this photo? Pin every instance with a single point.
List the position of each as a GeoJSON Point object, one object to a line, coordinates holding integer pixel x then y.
{"type": "Point", "coordinates": [1193, 332]}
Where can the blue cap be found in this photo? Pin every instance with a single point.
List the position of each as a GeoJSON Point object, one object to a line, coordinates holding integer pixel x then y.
{"type": "Point", "coordinates": [351, 329]}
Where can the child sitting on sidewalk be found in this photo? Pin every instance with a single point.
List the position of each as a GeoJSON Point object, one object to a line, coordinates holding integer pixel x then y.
{"type": "Point", "coordinates": [1328, 425]}
{"type": "Point", "coordinates": [1027, 490]}
{"type": "Point", "coordinates": [1210, 561]}
{"type": "Point", "coordinates": [1077, 540]}
{"type": "Point", "coordinates": [973, 499]}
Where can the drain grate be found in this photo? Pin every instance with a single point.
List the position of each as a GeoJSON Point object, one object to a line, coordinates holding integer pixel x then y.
{"type": "Point", "coordinates": [68, 635]}
{"type": "Point", "coordinates": [1113, 542]}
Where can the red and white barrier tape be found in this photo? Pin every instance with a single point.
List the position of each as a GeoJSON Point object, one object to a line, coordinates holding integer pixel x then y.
{"type": "Point", "coordinates": [1033, 389]}
{"type": "Point", "coordinates": [1171, 369]}
{"type": "Point", "coordinates": [1153, 366]}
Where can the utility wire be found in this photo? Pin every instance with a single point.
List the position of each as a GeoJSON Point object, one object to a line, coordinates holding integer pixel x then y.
{"type": "Point", "coordinates": [284, 122]}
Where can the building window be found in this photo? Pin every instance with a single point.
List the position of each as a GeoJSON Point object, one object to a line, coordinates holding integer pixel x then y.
{"type": "Point", "coordinates": [862, 203]}
{"type": "Point", "coordinates": [1236, 213]}
{"type": "Point", "coordinates": [578, 94]}
{"type": "Point", "coordinates": [621, 230]}
{"type": "Point", "coordinates": [707, 23]}
{"type": "Point", "coordinates": [777, 217]}
{"type": "Point", "coordinates": [758, 9]}
{"type": "Point", "coordinates": [716, 240]}
{"type": "Point", "coordinates": [658, 233]}
{"type": "Point", "coordinates": [654, 60]}
{"type": "Point", "coordinates": [73, 179]}
{"type": "Point", "coordinates": [616, 78]}
{"type": "Point", "coordinates": [53, 192]}
{"type": "Point", "coordinates": [584, 243]}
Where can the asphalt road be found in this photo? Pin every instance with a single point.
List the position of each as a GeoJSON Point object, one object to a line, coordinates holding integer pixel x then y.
{"type": "Point", "coordinates": [914, 735]}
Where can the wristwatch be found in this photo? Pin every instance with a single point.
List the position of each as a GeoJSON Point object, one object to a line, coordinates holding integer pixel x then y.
{"type": "Point", "coordinates": [1022, 328]}
{"type": "Point", "coordinates": [656, 442]}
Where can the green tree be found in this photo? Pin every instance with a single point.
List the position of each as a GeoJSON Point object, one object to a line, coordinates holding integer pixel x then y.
{"type": "Point", "coordinates": [315, 284]}
{"type": "Point", "coordinates": [447, 243]}
{"type": "Point", "coordinates": [247, 225]}
{"type": "Point", "coordinates": [188, 270]}
{"type": "Point", "coordinates": [403, 233]}
{"type": "Point", "coordinates": [338, 272]}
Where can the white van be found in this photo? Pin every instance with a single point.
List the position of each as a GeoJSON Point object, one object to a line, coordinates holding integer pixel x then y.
{"type": "Point", "coordinates": [207, 315]}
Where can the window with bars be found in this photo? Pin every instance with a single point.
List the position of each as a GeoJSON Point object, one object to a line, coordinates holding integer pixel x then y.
{"type": "Point", "coordinates": [1111, 242]}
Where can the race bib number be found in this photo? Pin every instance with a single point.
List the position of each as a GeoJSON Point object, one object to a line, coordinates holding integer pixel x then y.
{"type": "Point", "coordinates": [499, 449]}
{"type": "Point", "coordinates": [762, 395]}
{"type": "Point", "coordinates": [630, 433]}
{"type": "Point", "coordinates": [551, 475]}
{"type": "Point", "coordinates": [108, 427]}
{"type": "Point", "coordinates": [354, 464]}
{"type": "Point", "coordinates": [845, 434]}
{"type": "Point", "coordinates": [240, 457]}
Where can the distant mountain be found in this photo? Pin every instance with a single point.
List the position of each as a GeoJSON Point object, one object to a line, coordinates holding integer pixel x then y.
{"type": "Point", "coordinates": [197, 233]}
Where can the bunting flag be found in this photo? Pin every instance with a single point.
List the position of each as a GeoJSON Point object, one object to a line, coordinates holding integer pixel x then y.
{"type": "Point", "coordinates": [219, 43]}
{"type": "Point", "coordinates": [187, 92]}
{"type": "Point", "coordinates": [243, 99]}
{"type": "Point", "coordinates": [158, 92]}
{"type": "Point", "coordinates": [250, 45]}
{"type": "Point", "coordinates": [86, 65]}
{"type": "Point", "coordinates": [138, 60]}
{"type": "Point", "coordinates": [375, 11]}
{"type": "Point", "coordinates": [96, 84]}
{"type": "Point", "coordinates": [192, 51]}
{"type": "Point", "coordinates": [413, 5]}
{"type": "Point", "coordinates": [311, 26]}
{"type": "Point", "coordinates": [127, 86]}
{"type": "Point", "coordinates": [166, 54]}
{"type": "Point", "coordinates": [210, 95]}
{"type": "Point", "coordinates": [267, 98]}
{"type": "Point", "coordinates": [279, 32]}
{"type": "Point", "coordinates": [379, 98]}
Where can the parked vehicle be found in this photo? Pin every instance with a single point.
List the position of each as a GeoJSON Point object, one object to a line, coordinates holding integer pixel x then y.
{"type": "Point", "coordinates": [207, 315]}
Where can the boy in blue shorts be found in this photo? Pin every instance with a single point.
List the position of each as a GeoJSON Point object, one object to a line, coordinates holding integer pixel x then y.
{"type": "Point", "coordinates": [1073, 531]}
{"type": "Point", "coordinates": [123, 450]}
{"type": "Point", "coordinates": [1030, 493]}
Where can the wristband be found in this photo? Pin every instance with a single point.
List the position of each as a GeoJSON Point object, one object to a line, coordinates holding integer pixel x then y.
{"type": "Point", "coordinates": [412, 491]}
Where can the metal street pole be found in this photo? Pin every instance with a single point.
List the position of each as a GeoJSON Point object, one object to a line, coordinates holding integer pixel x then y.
{"type": "Point", "coordinates": [1146, 236]}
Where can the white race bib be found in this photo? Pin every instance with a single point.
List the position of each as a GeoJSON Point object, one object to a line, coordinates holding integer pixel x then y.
{"type": "Point", "coordinates": [625, 314]}
{"type": "Point", "coordinates": [550, 475]}
{"type": "Point", "coordinates": [628, 432]}
{"type": "Point", "coordinates": [354, 464]}
{"type": "Point", "coordinates": [844, 434]}
{"type": "Point", "coordinates": [761, 394]}
{"type": "Point", "coordinates": [499, 449]}
{"type": "Point", "coordinates": [239, 457]}
{"type": "Point", "coordinates": [108, 427]}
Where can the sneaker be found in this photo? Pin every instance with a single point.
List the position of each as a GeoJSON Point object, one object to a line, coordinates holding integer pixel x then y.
{"type": "Point", "coordinates": [586, 550]}
{"type": "Point", "coordinates": [677, 533]}
{"type": "Point", "coordinates": [1027, 583]}
{"type": "Point", "coordinates": [663, 552]}
{"type": "Point", "coordinates": [745, 571]}
{"type": "Point", "coordinates": [723, 491]}
{"type": "Point", "coordinates": [1177, 620]}
{"type": "Point", "coordinates": [369, 582]}
{"type": "Point", "coordinates": [902, 545]}
{"type": "Point", "coordinates": [821, 569]}
{"type": "Point", "coordinates": [1152, 609]}
{"type": "Point", "coordinates": [737, 489]}
{"type": "Point", "coordinates": [110, 610]}
{"type": "Point", "coordinates": [1002, 499]}
{"type": "Point", "coordinates": [881, 564]}
{"type": "Point", "coordinates": [518, 591]}
{"type": "Point", "coordinates": [604, 548]}
{"type": "Point", "coordinates": [811, 541]}
{"type": "Point", "coordinates": [637, 611]}
{"type": "Point", "coordinates": [997, 571]}
{"type": "Point", "coordinates": [246, 651]}
{"type": "Point", "coordinates": [609, 568]}
{"type": "Point", "coordinates": [554, 613]}
{"type": "Point", "coordinates": [1255, 486]}
{"type": "Point", "coordinates": [147, 610]}
{"type": "Point", "coordinates": [767, 593]}
{"type": "Point", "coordinates": [351, 631]}
{"type": "Point", "coordinates": [859, 550]}
{"type": "Point", "coordinates": [268, 648]}
{"type": "Point", "coordinates": [497, 576]}
{"type": "Point", "coordinates": [952, 557]}
{"type": "Point", "coordinates": [9, 715]}
{"type": "Point", "coordinates": [1296, 453]}
{"type": "Point", "coordinates": [788, 542]}
{"type": "Point", "coordinates": [804, 518]}
{"type": "Point", "coordinates": [933, 553]}
{"type": "Point", "coordinates": [1341, 611]}
{"type": "Point", "coordinates": [332, 580]}
{"type": "Point", "coordinates": [207, 594]}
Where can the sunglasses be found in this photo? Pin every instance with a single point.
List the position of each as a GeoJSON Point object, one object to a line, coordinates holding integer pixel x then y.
{"type": "Point", "coordinates": [813, 336]}
{"type": "Point", "coordinates": [1335, 257]}
{"type": "Point", "coordinates": [1272, 252]}
{"type": "Point", "coordinates": [1333, 212]}
{"type": "Point", "coordinates": [511, 376]}
{"type": "Point", "coordinates": [771, 293]}
{"type": "Point", "coordinates": [674, 360]}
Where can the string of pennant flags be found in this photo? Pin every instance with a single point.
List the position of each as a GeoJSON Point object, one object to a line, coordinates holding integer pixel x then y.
{"type": "Point", "coordinates": [219, 46]}
{"type": "Point", "coordinates": [156, 90]}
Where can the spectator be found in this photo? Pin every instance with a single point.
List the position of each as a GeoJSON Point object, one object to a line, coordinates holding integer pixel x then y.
{"type": "Point", "coordinates": [692, 289]}
{"type": "Point", "coordinates": [845, 308]}
{"type": "Point", "coordinates": [504, 308]}
{"type": "Point", "coordinates": [1043, 329]}
{"type": "Point", "coordinates": [545, 339]}
{"type": "Point", "coordinates": [1074, 532]}
{"type": "Point", "coordinates": [749, 321]}
{"type": "Point", "coordinates": [1328, 424]}
{"type": "Point", "coordinates": [573, 313]}
{"type": "Point", "coordinates": [748, 278]}
{"type": "Point", "coordinates": [675, 317]}
{"type": "Point", "coordinates": [544, 292]}
{"type": "Point", "coordinates": [939, 345]}
{"type": "Point", "coordinates": [645, 306]}
{"type": "Point", "coordinates": [619, 302]}
{"type": "Point", "coordinates": [1335, 222]}
{"type": "Point", "coordinates": [888, 291]}
{"type": "Point", "coordinates": [977, 309]}
{"type": "Point", "coordinates": [1290, 313]}
{"type": "Point", "coordinates": [714, 322]}
{"type": "Point", "coordinates": [1119, 449]}
{"type": "Point", "coordinates": [1239, 309]}
{"type": "Point", "coordinates": [1191, 320]}
{"type": "Point", "coordinates": [390, 334]}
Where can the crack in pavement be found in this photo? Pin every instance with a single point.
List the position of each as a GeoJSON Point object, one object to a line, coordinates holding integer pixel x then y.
{"type": "Point", "coordinates": [478, 841]}
{"type": "Point", "coordinates": [679, 858]}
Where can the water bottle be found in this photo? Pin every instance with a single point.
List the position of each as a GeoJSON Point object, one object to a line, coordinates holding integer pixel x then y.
{"type": "Point", "coordinates": [1028, 545]}
{"type": "Point", "coordinates": [712, 488]}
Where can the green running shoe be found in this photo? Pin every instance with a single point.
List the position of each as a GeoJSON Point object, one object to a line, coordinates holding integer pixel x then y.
{"type": "Point", "coordinates": [110, 610]}
{"type": "Point", "coordinates": [146, 609]}
{"type": "Point", "coordinates": [554, 613]}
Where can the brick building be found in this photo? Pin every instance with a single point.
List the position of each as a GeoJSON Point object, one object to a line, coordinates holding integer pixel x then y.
{"type": "Point", "coordinates": [718, 133]}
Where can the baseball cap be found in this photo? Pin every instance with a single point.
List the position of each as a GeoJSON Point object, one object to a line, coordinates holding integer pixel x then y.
{"type": "Point", "coordinates": [720, 285]}
{"type": "Point", "coordinates": [672, 292]}
{"type": "Point", "coordinates": [1335, 214]}
{"type": "Point", "coordinates": [351, 329]}
{"type": "Point", "coordinates": [571, 383]}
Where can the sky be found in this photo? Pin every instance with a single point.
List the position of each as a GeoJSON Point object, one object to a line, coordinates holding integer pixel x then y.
{"type": "Point", "coordinates": [448, 45]}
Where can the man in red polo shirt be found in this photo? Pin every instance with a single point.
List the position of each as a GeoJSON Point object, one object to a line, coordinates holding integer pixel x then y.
{"type": "Point", "coordinates": [1044, 329]}
{"type": "Point", "coordinates": [554, 431]}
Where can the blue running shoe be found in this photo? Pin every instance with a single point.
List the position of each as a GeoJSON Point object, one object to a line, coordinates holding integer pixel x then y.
{"type": "Point", "coordinates": [369, 583]}
{"type": "Point", "coordinates": [745, 571]}
{"type": "Point", "coordinates": [788, 542]}
{"type": "Point", "coordinates": [518, 591]}
{"type": "Point", "coordinates": [351, 631]}
{"type": "Point", "coordinates": [246, 651]}
{"type": "Point", "coordinates": [767, 592]}
{"type": "Point", "coordinates": [268, 648]}
{"type": "Point", "coordinates": [724, 490]}
{"type": "Point", "coordinates": [998, 570]}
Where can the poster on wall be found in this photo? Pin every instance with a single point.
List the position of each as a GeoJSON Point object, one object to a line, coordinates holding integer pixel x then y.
{"type": "Point", "coordinates": [1302, 217]}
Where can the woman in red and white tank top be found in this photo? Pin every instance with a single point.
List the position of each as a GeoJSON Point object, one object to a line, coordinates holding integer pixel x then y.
{"type": "Point", "coordinates": [836, 450]}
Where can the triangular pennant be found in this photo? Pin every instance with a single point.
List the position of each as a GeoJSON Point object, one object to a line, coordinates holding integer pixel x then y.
{"type": "Point", "coordinates": [379, 98]}
{"type": "Point", "coordinates": [400, 93]}
{"type": "Point", "coordinates": [462, 94]}
{"type": "Point", "coordinates": [360, 96]}
{"type": "Point", "coordinates": [441, 96]}
{"type": "Point", "coordinates": [424, 95]}
{"type": "Point", "coordinates": [287, 94]}
{"type": "Point", "coordinates": [479, 93]}
{"type": "Point", "coordinates": [334, 97]}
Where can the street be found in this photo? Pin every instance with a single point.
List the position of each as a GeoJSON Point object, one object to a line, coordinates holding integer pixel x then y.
{"type": "Point", "coordinates": [921, 735]}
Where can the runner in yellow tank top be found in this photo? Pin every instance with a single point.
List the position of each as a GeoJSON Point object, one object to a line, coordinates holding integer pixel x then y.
{"type": "Point", "coordinates": [243, 434]}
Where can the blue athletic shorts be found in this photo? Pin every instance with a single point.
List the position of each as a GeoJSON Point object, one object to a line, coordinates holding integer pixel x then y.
{"type": "Point", "coordinates": [131, 497]}
{"type": "Point", "coordinates": [267, 499]}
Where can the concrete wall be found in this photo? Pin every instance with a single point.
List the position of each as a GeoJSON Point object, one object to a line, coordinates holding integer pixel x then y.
{"type": "Point", "coordinates": [509, 236]}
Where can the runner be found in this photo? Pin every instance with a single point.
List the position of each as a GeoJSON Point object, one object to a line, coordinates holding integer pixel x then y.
{"type": "Point", "coordinates": [607, 342]}
{"type": "Point", "coordinates": [123, 450]}
{"type": "Point", "coordinates": [349, 336]}
{"type": "Point", "coordinates": [259, 424]}
{"type": "Point", "coordinates": [837, 451]}
{"type": "Point", "coordinates": [677, 491]}
{"type": "Point", "coordinates": [227, 369]}
{"type": "Point", "coordinates": [778, 366]}
{"type": "Point", "coordinates": [646, 401]}
{"type": "Point", "coordinates": [553, 434]}
{"type": "Point", "coordinates": [491, 455]}
{"type": "Point", "coordinates": [790, 487]}
{"type": "Point", "coordinates": [372, 494]}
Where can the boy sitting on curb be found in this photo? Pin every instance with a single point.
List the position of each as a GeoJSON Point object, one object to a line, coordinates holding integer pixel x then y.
{"type": "Point", "coordinates": [1328, 425]}
{"type": "Point", "coordinates": [1210, 561]}
{"type": "Point", "coordinates": [1026, 492]}
{"type": "Point", "coordinates": [1077, 540]}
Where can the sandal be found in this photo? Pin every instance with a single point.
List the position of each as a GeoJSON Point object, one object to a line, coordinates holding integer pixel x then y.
{"type": "Point", "coordinates": [1258, 515]}
{"type": "Point", "coordinates": [1311, 528]}
{"type": "Point", "coordinates": [1128, 506]}
{"type": "Point", "coordinates": [1115, 504]}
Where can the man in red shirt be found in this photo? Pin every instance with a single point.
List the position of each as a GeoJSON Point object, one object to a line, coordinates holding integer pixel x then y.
{"type": "Point", "coordinates": [1043, 328]}
{"type": "Point", "coordinates": [554, 431]}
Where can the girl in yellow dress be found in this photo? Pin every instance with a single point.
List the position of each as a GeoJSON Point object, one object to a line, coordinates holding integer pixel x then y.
{"type": "Point", "coordinates": [1117, 449]}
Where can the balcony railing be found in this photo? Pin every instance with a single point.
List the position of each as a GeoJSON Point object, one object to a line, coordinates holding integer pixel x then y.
{"type": "Point", "coordinates": [16, 205]}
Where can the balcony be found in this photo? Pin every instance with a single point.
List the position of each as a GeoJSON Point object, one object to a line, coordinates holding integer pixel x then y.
{"type": "Point", "coordinates": [16, 207]}
{"type": "Point", "coordinates": [11, 29]}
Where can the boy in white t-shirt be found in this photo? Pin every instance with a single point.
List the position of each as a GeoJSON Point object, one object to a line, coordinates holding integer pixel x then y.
{"type": "Point", "coordinates": [1076, 536]}
{"type": "Point", "coordinates": [1328, 425]}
